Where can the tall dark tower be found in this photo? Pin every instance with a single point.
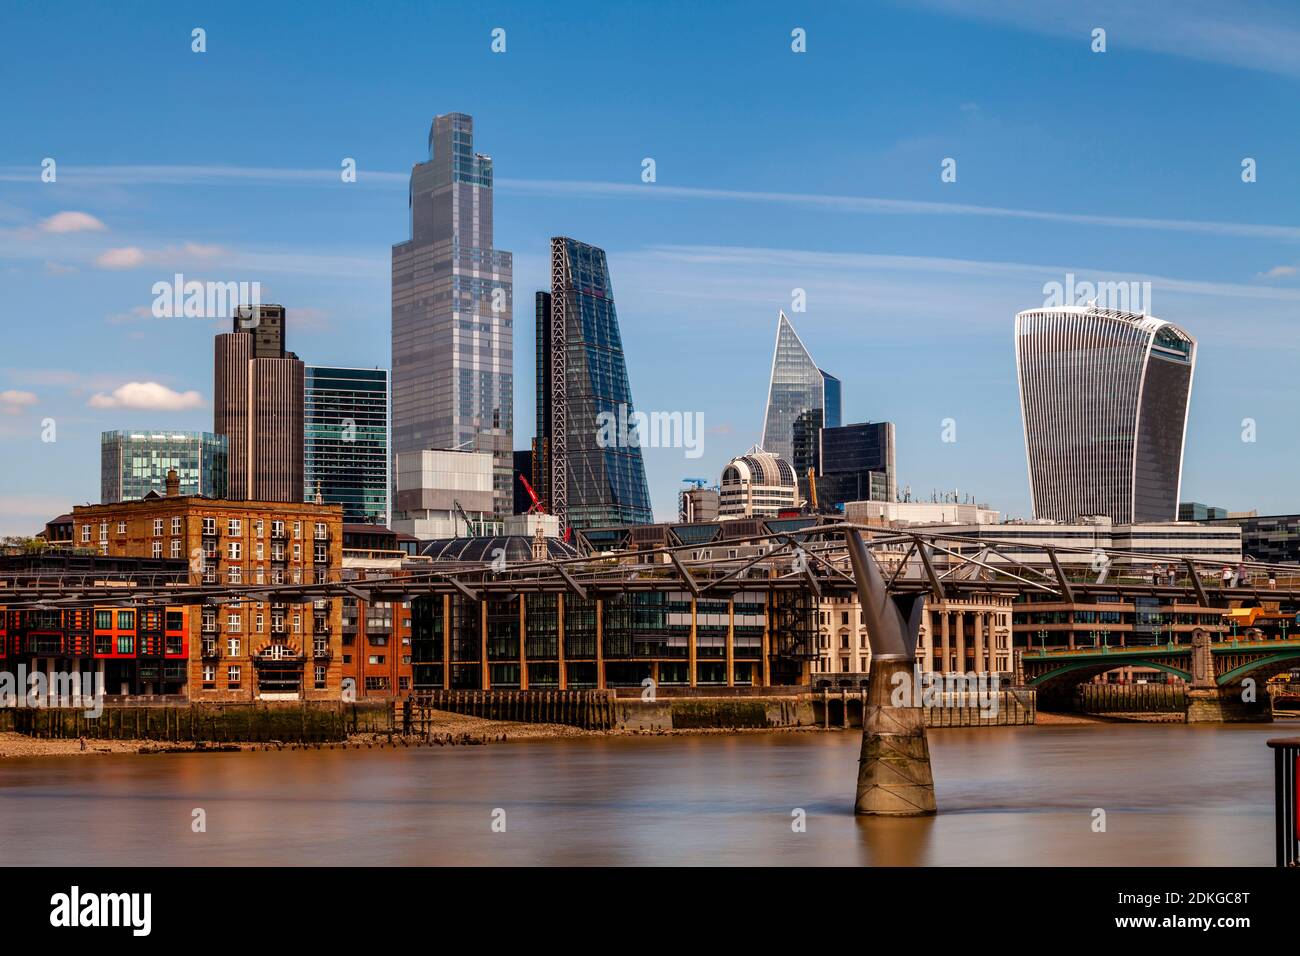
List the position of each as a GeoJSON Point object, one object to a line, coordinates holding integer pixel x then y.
{"type": "Point", "coordinates": [584, 373]}
{"type": "Point", "coordinates": [258, 402]}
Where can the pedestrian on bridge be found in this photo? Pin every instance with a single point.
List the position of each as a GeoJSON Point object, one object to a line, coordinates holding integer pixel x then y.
{"type": "Point", "coordinates": [1227, 576]}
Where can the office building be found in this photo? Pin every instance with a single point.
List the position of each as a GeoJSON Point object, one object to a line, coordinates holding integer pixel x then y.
{"type": "Point", "coordinates": [445, 494]}
{"type": "Point", "coordinates": [758, 484]}
{"type": "Point", "coordinates": [798, 392]}
{"type": "Point", "coordinates": [135, 463]}
{"type": "Point", "coordinates": [1104, 398]}
{"type": "Point", "coordinates": [593, 476]}
{"type": "Point", "coordinates": [904, 513]}
{"type": "Point", "coordinates": [1269, 539]}
{"type": "Point", "coordinates": [698, 504]}
{"type": "Point", "coordinates": [856, 463]}
{"type": "Point", "coordinates": [258, 401]}
{"type": "Point", "coordinates": [346, 441]}
{"type": "Point", "coordinates": [452, 309]}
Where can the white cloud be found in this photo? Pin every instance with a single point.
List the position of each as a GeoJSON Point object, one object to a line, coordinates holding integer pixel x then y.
{"type": "Point", "coordinates": [1278, 272]}
{"type": "Point", "coordinates": [72, 222]}
{"type": "Point", "coordinates": [132, 257]}
{"type": "Point", "coordinates": [58, 268]}
{"type": "Point", "coordinates": [127, 257]}
{"type": "Point", "coordinates": [13, 401]}
{"type": "Point", "coordinates": [147, 396]}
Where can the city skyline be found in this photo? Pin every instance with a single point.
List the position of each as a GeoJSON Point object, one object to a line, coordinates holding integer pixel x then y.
{"type": "Point", "coordinates": [905, 276]}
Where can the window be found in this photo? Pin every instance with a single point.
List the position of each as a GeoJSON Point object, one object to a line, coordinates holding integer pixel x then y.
{"type": "Point", "coordinates": [103, 620]}
{"type": "Point", "coordinates": [320, 531]}
{"type": "Point", "coordinates": [125, 644]}
{"type": "Point", "coordinates": [260, 624]}
{"type": "Point", "coordinates": [158, 527]}
{"type": "Point", "coordinates": [126, 620]}
{"type": "Point", "coordinates": [121, 527]}
{"type": "Point", "coordinates": [209, 676]}
{"type": "Point", "coordinates": [259, 528]}
{"type": "Point", "coordinates": [297, 529]}
{"type": "Point", "coordinates": [375, 659]}
{"type": "Point", "coordinates": [157, 549]}
{"type": "Point", "coordinates": [232, 676]}
{"type": "Point", "coordinates": [297, 552]}
{"type": "Point", "coordinates": [234, 622]}
{"type": "Point", "coordinates": [277, 529]}
{"type": "Point", "coordinates": [236, 550]}
{"type": "Point", "coordinates": [176, 547]}
{"type": "Point", "coordinates": [85, 534]}
{"type": "Point", "coordinates": [210, 526]}
{"type": "Point", "coordinates": [235, 527]}
{"type": "Point", "coordinates": [235, 575]}
{"type": "Point", "coordinates": [232, 646]}
{"type": "Point", "coordinates": [261, 551]}
{"type": "Point", "coordinates": [320, 676]}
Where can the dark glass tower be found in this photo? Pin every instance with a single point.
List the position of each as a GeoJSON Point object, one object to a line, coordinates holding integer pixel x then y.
{"type": "Point", "coordinates": [346, 435]}
{"type": "Point", "coordinates": [452, 311]}
{"type": "Point", "coordinates": [582, 374]}
{"type": "Point", "coordinates": [856, 463]}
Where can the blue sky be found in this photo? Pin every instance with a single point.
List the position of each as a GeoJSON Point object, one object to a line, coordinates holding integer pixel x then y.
{"type": "Point", "coordinates": [775, 170]}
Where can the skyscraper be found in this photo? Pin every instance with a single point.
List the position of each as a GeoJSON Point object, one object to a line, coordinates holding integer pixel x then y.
{"type": "Point", "coordinates": [799, 392]}
{"type": "Point", "coordinates": [582, 376]}
{"type": "Point", "coordinates": [346, 441]}
{"type": "Point", "coordinates": [258, 405]}
{"type": "Point", "coordinates": [452, 309]}
{"type": "Point", "coordinates": [1104, 396]}
{"type": "Point", "coordinates": [134, 463]}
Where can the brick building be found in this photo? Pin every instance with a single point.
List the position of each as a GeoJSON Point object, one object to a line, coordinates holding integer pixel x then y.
{"type": "Point", "coordinates": [244, 649]}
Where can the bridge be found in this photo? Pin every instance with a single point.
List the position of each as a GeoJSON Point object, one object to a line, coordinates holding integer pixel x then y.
{"type": "Point", "coordinates": [1215, 671]}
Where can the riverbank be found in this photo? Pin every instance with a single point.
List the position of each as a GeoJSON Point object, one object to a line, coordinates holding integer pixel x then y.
{"type": "Point", "coordinates": [445, 730]}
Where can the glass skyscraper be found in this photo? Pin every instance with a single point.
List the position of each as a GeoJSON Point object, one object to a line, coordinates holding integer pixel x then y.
{"type": "Point", "coordinates": [800, 399]}
{"type": "Point", "coordinates": [1104, 395]}
{"type": "Point", "coordinates": [134, 463]}
{"type": "Point", "coordinates": [346, 441]}
{"type": "Point", "coordinates": [590, 482]}
{"type": "Point", "coordinates": [452, 309]}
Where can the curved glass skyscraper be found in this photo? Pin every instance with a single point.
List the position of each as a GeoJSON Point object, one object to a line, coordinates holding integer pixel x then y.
{"type": "Point", "coordinates": [1104, 396]}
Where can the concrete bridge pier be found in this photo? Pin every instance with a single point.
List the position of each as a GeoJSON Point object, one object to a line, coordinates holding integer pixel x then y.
{"type": "Point", "coordinates": [1226, 705]}
{"type": "Point", "coordinates": [894, 776]}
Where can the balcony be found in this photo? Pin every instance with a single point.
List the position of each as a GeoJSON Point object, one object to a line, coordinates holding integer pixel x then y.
{"type": "Point", "coordinates": [211, 651]}
{"type": "Point", "coordinates": [321, 651]}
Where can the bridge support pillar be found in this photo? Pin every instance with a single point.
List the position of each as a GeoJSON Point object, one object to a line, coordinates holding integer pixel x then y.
{"type": "Point", "coordinates": [1224, 705]}
{"type": "Point", "coordinates": [894, 776]}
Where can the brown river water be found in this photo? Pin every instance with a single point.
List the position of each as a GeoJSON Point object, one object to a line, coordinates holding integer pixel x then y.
{"type": "Point", "coordinates": [1173, 795]}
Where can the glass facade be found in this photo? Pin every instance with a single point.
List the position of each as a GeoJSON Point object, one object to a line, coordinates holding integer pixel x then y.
{"type": "Point", "coordinates": [1104, 396]}
{"type": "Point", "coordinates": [346, 441]}
{"type": "Point", "coordinates": [856, 463]}
{"type": "Point", "coordinates": [799, 392]}
{"type": "Point", "coordinates": [605, 485]}
{"type": "Point", "coordinates": [136, 463]}
{"type": "Point", "coordinates": [452, 309]}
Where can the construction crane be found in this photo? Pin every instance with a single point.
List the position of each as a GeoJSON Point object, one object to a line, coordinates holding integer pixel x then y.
{"type": "Point", "coordinates": [812, 489]}
{"type": "Point", "coordinates": [463, 517]}
{"type": "Point", "coordinates": [697, 482]}
{"type": "Point", "coordinates": [539, 533]}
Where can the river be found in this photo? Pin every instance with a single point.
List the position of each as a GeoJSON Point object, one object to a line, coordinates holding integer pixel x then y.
{"type": "Point", "coordinates": [1172, 795]}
